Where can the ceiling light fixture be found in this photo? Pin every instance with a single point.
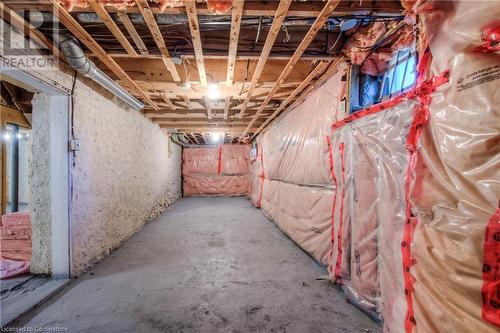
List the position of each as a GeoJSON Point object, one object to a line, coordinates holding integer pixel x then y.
{"type": "Point", "coordinates": [216, 137]}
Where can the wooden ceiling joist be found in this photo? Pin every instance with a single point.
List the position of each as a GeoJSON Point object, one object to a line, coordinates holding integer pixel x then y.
{"type": "Point", "coordinates": [317, 25]}
{"type": "Point", "coordinates": [83, 36]}
{"type": "Point", "coordinates": [208, 106]}
{"type": "Point", "coordinates": [108, 21]}
{"type": "Point", "coordinates": [226, 107]}
{"type": "Point", "coordinates": [233, 39]}
{"type": "Point", "coordinates": [158, 37]}
{"type": "Point", "coordinates": [195, 139]}
{"type": "Point", "coordinates": [194, 27]}
{"type": "Point", "coordinates": [251, 8]}
{"type": "Point", "coordinates": [187, 101]}
{"type": "Point", "coordinates": [279, 17]}
{"type": "Point", "coordinates": [127, 23]}
{"type": "Point", "coordinates": [332, 69]}
{"type": "Point", "coordinates": [168, 101]}
{"type": "Point", "coordinates": [326, 68]}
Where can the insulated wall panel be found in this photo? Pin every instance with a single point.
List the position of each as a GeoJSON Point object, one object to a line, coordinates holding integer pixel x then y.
{"type": "Point", "coordinates": [370, 163]}
{"type": "Point", "coordinates": [223, 170]}
{"type": "Point", "coordinates": [303, 213]}
{"type": "Point", "coordinates": [456, 198]}
{"type": "Point", "coordinates": [200, 185]}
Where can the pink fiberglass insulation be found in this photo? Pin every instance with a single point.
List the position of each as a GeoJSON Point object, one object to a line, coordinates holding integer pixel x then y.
{"type": "Point", "coordinates": [370, 162]}
{"type": "Point", "coordinates": [291, 179]}
{"type": "Point", "coordinates": [221, 160]}
{"type": "Point", "coordinates": [223, 170]}
{"type": "Point", "coordinates": [416, 184]}
{"type": "Point", "coordinates": [303, 213]}
{"type": "Point", "coordinates": [121, 4]}
{"type": "Point", "coordinates": [455, 196]}
{"type": "Point", "coordinates": [215, 185]}
{"type": "Point", "coordinates": [15, 244]}
{"type": "Point", "coordinates": [294, 147]}
{"type": "Point", "coordinates": [200, 161]}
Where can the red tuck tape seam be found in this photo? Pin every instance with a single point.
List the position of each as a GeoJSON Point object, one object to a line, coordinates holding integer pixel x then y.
{"type": "Point", "coordinates": [338, 264]}
{"type": "Point", "coordinates": [422, 91]}
{"type": "Point", "coordinates": [420, 119]}
{"type": "Point", "coordinates": [261, 176]}
{"type": "Point", "coordinates": [219, 165]}
{"type": "Point", "coordinates": [334, 179]}
{"type": "Point", "coordinates": [491, 270]}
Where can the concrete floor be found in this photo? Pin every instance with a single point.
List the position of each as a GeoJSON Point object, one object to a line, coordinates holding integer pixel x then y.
{"type": "Point", "coordinates": [205, 265]}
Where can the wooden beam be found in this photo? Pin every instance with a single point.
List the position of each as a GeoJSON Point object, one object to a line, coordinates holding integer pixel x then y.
{"type": "Point", "coordinates": [187, 101]}
{"type": "Point", "coordinates": [133, 33]}
{"type": "Point", "coordinates": [79, 32]}
{"type": "Point", "coordinates": [320, 68]}
{"type": "Point", "coordinates": [194, 27]}
{"type": "Point", "coordinates": [168, 101]}
{"type": "Point", "coordinates": [195, 139]}
{"type": "Point", "coordinates": [251, 8]}
{"type": "Point", "coordinates": [108, 21]}
{"type": "Point", "coordinates": [29, 30]}
{"type": "Point", "coordinates": [332, 69]}
{"type": "Point", "coordinates": [207, 128]}
{"type": "Point", "coordinates": [226, 107]}
{"type": "Point", "coordinates": [209, 108]}
{"type": "Point", "coordinates": [233, 39]}
{"type": "Point", "coordinates": [317, 25]}
{"type": "Point", "coordinates": [158, 37]}
{"type": "Point", "coordinates": [279, 17]}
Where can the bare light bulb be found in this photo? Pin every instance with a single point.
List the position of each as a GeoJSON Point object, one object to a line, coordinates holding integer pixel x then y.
{"type": "Point", "coordinates": [213, 91]}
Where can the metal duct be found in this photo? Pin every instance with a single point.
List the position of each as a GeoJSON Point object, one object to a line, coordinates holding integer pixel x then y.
{"type": "Point", "coordinates": [76, 59]}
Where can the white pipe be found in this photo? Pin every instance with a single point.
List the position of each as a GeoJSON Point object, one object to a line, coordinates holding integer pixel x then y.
{"type": "Point", "coordinates": [77, 60]}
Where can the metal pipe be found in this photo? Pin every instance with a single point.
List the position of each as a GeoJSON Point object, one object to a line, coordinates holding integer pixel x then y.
{"type": "Point", "coordinates": [77, 60]}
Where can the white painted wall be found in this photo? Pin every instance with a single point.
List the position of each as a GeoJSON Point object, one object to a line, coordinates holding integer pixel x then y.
{"type": "Point", "coordinates": [124, 175]}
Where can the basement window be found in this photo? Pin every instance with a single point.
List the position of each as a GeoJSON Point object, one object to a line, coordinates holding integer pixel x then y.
{"type": "Point", "coordinates": [367, 90]}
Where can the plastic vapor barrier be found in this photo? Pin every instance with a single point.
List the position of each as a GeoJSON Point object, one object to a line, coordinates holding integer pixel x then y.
{"type": "Point", "coordinates": [291, 175]}
{"type": "Point", "coordinates": [456, 242]}
{"type": "Point", "coordinates": [303, 213]}
{"type": "Point", "coordinates": [411, 186]}
{"type": "Point", "coordinates": [369, 167]}
{"type": "Point", "coordinates": [219, 171]}
{"type": "Point", "coordinates": [215, 185]}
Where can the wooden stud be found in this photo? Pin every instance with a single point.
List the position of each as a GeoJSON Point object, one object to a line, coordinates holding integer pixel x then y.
{"type": "Point", "coordinates": [187, 101]}
{"type": "Point", "coordinates": [108, 21]}
{"type": "Point", "coordinates": [194, 27]}
{"type": "Point", "coordinates": [158, 37]}
{"type": "Point", "coordinates": [251, 8]}
{"type": "Point", "coordinates": [168, 101]}
{"type": "Point", "coordinates": [233, 39]}
{"type": "Point", "coordinates": [226, 107]}
{"type": "Point", "coordinates": [320, 68]}
{"type": "Point", "coordinates": [208, 106]}
{"type": "Point", "coordinates": [133, 33]}
{"type": "Point", "coordinates": [279, 17]}
{"type": "Point", "coordinates": [317, 25]}
{"type": "Point", "coordinates": [332, 69]}
{"type": "Point", "coordinates": [195, 138]}
{"type": "Point", "coordinates": [79, 32]}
